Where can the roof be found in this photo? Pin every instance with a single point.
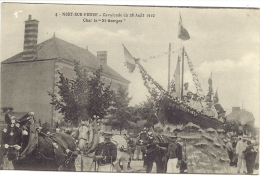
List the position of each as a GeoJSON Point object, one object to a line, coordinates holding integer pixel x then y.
{"type": "Point", "coordinates": [55, 48]}
{"type": "Point", "coordinates": [241, 115]}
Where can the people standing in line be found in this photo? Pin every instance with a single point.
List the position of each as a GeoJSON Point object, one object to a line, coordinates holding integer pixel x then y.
{"type": "Point", "coordinates": [240, 148]}
{"type": "Point", "coordinates": [106, 153]}
{"type": "Point", "coordinates": [250, 155]}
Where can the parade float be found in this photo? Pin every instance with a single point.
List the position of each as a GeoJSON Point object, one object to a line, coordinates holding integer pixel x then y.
{"type": "Point", "coordinates": [202, 133]}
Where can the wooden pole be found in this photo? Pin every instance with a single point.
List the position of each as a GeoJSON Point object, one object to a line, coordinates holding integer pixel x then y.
{"type": "Point", "coordinates": [182, 72]}
{"type": "Point", "coordinates": [169, 71]}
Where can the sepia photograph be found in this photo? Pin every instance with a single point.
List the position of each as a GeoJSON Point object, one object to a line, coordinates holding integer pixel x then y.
{"type": "Point", "coordinates": [129, 88]}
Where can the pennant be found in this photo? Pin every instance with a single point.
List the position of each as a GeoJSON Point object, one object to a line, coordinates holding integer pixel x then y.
{"type": "Point", "coordinates": [183, 33]}
{"type": "Point", "coordinates": [130, 60]}
{"type": "Point", "coordinates": [178, 79]}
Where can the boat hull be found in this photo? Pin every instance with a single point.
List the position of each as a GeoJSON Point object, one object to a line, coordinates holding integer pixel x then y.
{"type": "Point", "coordinates": [174, 114]}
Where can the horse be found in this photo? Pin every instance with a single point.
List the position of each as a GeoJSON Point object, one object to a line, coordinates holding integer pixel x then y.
{"type": "Point", "coordinates": [152, 151]}
{"type": "Point", "coordinates": [87, 137]}
{"type": "Point", "coordinates": [30, 149]}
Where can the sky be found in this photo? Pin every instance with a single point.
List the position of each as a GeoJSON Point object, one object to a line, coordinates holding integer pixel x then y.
{"type": "Point", "coordinates": [222, 41]}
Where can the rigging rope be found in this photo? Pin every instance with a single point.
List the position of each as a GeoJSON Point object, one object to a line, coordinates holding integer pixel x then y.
{"type": "Point", "coordinates": [194, 76]}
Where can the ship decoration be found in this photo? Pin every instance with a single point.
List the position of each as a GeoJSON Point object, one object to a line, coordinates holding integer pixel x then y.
{"type": "Point", "coordinates": [170, 106]}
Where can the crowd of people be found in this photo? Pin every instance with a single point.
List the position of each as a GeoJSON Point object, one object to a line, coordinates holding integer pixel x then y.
{"type": "Point", "coordinates": [243, 153]}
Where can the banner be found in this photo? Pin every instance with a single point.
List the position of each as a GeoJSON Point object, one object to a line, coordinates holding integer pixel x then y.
{"type": "Point", "coordinates": [130, 62]}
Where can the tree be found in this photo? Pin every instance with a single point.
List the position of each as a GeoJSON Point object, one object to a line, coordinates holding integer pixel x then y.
{"type": "Point", "coordinates": [146, 111]}
{"type": "Point", "coordinates": [120, 112]}
{"type": "Point", "coordinates": [82, 97]}
{"type": "Point", "coordinates": [232, 126]}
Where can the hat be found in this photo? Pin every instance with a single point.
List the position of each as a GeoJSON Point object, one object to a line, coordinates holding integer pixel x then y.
{"type": "Point", "coordinates": [189, 92]}
{"type": "Point", "coordinates": [108, 132]}
{"type": "Point", "coordinates": [179, 139]}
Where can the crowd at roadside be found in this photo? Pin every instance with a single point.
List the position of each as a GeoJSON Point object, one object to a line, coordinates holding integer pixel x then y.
{"type": "Point", "coordinates": [243, 153]}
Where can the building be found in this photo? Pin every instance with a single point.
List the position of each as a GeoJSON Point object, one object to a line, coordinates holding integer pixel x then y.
{"type": "Point", "coordinates": [245, 118]}
{"type": "Point", "coordinates": [28, 76]}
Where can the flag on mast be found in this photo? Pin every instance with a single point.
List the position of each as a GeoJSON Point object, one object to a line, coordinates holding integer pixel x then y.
{"type": "Point", "coordinates": [183, 33]}
{"type": "Point", "coordinates": [177, 77]}
{"type": "Point", "coordinates": [130, 60]}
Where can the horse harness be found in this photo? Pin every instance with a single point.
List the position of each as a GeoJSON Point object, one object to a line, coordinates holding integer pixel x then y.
{"type": "Point", "coordinates": [33, 146]}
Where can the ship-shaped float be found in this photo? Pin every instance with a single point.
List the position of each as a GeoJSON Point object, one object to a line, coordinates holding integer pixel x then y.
{"type": "Point", "coordinates": [171, 108]}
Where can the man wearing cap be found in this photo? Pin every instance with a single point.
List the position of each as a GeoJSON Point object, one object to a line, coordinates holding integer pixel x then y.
{"type": "Point", "coordinates": [106, 153]}
{"type": "Point", "coordinates": [173, 156]}
{"type": "Point", "coordinates": [240, 148]}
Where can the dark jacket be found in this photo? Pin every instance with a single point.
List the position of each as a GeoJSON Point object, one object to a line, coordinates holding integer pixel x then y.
{"type": "Point", "coordinates": [108, 151]}
{"type": "Point", "coordinates": [173, 152]}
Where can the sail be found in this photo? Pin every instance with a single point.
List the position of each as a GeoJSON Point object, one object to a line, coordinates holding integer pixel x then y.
{"type": "Point", "coordinates": [178, 79]}
{"type": "Point", "coordinates": [130, 62]}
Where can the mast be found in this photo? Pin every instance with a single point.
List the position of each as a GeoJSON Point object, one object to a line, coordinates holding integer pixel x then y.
{"type": "Point", "coordinates": [169, 72]}
{"type": "Point", "coordinates": [182, 71]}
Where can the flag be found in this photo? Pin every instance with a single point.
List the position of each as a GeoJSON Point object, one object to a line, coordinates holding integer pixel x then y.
{"type": "Point", "coordinates": [130, 60]}
{"type": "Point", "coordinates": [178, 79]}
{"type": "Point", "coordinates": [183, 33]}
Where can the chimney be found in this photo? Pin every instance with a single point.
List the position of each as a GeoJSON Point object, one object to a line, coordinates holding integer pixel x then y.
{"type": "Point", "coordinates": [30, 39]}
{"type": "Point", "coordinates": [102, 56]}
{"type": "Point", "coordinates": [235, 109]}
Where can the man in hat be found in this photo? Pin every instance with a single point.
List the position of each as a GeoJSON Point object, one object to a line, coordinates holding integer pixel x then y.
{"type": "Point", "coordinates": [250, 155]}
{"type": "Point", "coordinates": [106, 153]}
{"type": "Point", "coordinates": [240, 148]}
{"type": "Point", "coordinates": [173, 155]}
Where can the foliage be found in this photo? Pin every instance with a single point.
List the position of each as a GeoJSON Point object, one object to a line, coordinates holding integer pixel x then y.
{"type": "Point", "coordinates": [120, 111]}
{"type": "Point", "coordinates": [232, 125]}
{"type": "Point", "coordinates": [146, 111]}
{"type": "Point", "coordinates": [46, 127]}
{"type": "Point", "coordinates": [82, 97]}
